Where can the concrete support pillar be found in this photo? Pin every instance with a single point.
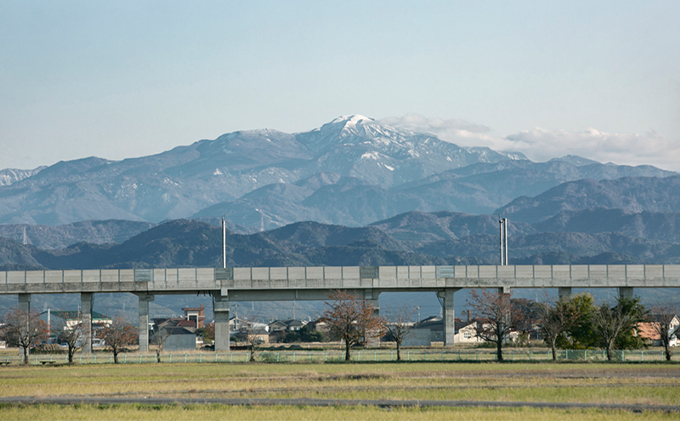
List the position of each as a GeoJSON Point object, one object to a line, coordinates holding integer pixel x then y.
{"type": "Point", "coordinates": [373, 340]}
{"type": "Point", "coordinates": [25, 303]}
{"type": "Point", "coordinates": [222, 321]}
{"type": "Point", "coordinates": [449, 318]}
{"type": "Point", "coordinates": [626, 292]}
{"type": "Point", "coordinates": [144, 300]}
{"type": "Point", "coordinates": [564, 293]}
{"type": "Point", "coordinates": [86, 300]}
{"type": "Point", "coordinates": [371, 297]}
{"type": "Point", "coordinates": [376, 307]}
{"type": "Point", "coordinates": [25, 308]}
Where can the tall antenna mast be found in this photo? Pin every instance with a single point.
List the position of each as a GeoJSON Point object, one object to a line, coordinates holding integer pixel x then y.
{"type": "Point", "coordinates": [500, 225]}
{"type": "Point", "coordinates": [503, 224]}
{"type": "Point", "coordinates": [224, 243]}
{"type": "Point", "coordinates": [505, 238]}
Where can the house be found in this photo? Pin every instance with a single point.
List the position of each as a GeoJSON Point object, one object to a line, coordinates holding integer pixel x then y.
{"type": "Point", "coordinates": [67, 320]}
{"type": "Point", "coordinates": [164, 322]}
{"type": "Point", "coordinates": [466, 332]}
{"type": "Point", "coordinates": [318, 325]}
{"type": "Point", "coordinates": [293, 325]}
{"type": "Point", "coordinates": [425, 332]}
{"type": "Point", "coordinates": [279, 328]}
{"type": "Point", "coordinates": [236, 324]}
{"type": "Point", "coordinates": [648, 331]}
{"type": "Point", "coordinates": [431, 330]}
{"type": "Point", "coordinates": [182, 332]}
{"type": "Point", "coordinates": [195, 315]}
{"type": "Point", "coordinates": [178, 338]}
{"type": "Point", "coordinates": [259, 334]}
{"type": "Point", "coordinates": [277, 331]}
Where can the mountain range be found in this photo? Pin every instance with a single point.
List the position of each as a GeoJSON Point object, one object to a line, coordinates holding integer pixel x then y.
{"type": "Point", "coordinates": [351, 192]}
{"type": "Point", "coordinates": [413, 238]}
{"type": "Point", "coordinates": [351, 171]}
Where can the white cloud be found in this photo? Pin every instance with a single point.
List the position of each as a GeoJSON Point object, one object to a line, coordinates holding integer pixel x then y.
{"type": "Point", "coordinates": [620, 148]}
{"type": "Point", "coordinates": [432, 125]}
{"type": "Point", "coordinates": [542, 145]}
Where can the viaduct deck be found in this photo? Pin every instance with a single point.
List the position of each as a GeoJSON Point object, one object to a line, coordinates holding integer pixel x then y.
{"type": "Point", "coordinates": [314, 283]}
{"type": "Point", "coordinates": [384, 278]}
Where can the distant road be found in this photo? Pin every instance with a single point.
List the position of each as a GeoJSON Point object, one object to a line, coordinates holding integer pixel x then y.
{"type": "Point", "coordinates": [330, 402]}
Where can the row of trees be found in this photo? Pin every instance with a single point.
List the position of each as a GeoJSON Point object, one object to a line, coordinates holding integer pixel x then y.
{"type": "Point", "coordinates": [571, 323]}
{"type": "Point", "coordinates": [27, 330]}
{"type": "Point", "coordinates": [577, 323]}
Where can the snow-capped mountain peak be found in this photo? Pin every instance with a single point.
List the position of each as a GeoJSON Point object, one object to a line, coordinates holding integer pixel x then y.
{"type": "Point", "coordinates": [351, 119]}
{"type": "Point", "coordinates": [348, 125]}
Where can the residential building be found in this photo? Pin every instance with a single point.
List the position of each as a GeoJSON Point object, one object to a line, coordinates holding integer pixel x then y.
{"type": "Point", "coordinates": [195, 315]}
{"type": "Point", "coordinates": [178, 339]}
{"type": "Point", "coordinates": [649, 331]}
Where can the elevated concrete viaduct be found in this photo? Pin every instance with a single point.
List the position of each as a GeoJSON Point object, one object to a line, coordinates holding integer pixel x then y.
{"type": "Point", "coordinates": [315, 283]}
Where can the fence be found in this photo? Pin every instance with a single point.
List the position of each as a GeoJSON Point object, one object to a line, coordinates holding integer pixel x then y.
{"type": "Point", "coordinates": [367, 355]}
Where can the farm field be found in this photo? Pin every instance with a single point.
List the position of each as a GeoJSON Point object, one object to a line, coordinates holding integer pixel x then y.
{"type": "Point", "coordinates": [199, 390]}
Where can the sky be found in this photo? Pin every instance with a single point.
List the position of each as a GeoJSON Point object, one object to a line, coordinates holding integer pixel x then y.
{"type": "Point", "coordinates": [128, 78]}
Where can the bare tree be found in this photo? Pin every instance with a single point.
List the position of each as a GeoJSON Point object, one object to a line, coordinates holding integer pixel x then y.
{"type": "Point", "coordinates": [497, 316]}
{"type": "Point", "coordinates": [24, 329]}
{"type": "Point", "coordinates": [609, 323]}
{"type": "Point", "coordinates": [351, 319]}
{"type": "Point", "coordinates": [118, 335]}
{"type": "Point", "coordinates": [554, 320]}
{"type": "Point", "coordinates": [398, 324]}
{"type": "Point", "coordinates": [250, 334]}
{"type": "Point", "coordinates": [663, 325]}
{"type": "Point", "coordinates": [158, 339]}
{"type": "Point", "coordinates": [74, 335]}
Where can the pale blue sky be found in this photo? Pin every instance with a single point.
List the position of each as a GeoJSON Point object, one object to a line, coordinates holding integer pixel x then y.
{"type": "Point", "coordinates": [120, 79]}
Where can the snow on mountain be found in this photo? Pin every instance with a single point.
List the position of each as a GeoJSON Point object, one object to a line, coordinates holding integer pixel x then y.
{"type": "Point", "coordinates": [358, 146]}
{"type": "Point", "coordinates": [10, 176]}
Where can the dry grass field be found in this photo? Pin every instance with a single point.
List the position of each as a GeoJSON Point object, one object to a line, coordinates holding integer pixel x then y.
{"type": "Point", "coordinates": [367, 413]}
{"type": "Point", "coordinates": [591, 383]}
